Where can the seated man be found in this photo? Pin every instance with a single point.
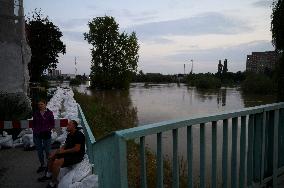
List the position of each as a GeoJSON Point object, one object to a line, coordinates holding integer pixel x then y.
{"type": "Point", "coordinates": [71, 153]}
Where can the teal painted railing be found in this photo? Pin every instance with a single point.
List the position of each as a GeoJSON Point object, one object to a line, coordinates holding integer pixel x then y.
{"type": "Point", "coordinates": [261, 153]}
{"type": "Point", "coordinates": [90, 139]}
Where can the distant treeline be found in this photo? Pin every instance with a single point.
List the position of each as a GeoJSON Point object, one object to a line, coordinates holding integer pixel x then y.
{"type": "Point", "coordinates": [262, 83]}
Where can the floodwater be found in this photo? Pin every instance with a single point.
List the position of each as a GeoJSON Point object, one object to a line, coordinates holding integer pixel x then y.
{"type": "Point", "coordinates": [160, 102]}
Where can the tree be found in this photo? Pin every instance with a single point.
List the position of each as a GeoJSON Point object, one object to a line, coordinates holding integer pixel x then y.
{"type": "Point", "coordinates": [44, 39]}
{"type": "Point", "coordinates": [277, 25]}
{"type": "Point", "coordinates": [114, 54]}
{"type": "Point", "coordinates": [277, 29]}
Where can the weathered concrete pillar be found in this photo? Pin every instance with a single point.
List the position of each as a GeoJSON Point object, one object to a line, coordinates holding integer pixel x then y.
{"type": "Point", "coordinates": [14, 58]}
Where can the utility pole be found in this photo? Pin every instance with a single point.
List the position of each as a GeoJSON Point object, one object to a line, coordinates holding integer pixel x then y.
{"type": "Point", "coordinates": [75, 65]}
{"type": "Point", "coordinates": [183, 69]}
{"type": "Point", "coordinates": [191, 66]}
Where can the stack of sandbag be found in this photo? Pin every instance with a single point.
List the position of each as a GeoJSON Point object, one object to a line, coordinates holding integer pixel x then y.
{"type": "Point", "coordinates": [78, 176]}
{"type": "Point", "coordinates": [70, 106]}
{"type": "Point", "coordinates": [6, 140]}
{"type": "Point", "coordinates": [55, 102]}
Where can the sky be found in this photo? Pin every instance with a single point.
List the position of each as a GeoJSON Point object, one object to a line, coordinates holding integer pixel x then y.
{"type": "Point", "coordinates": [170, 33]}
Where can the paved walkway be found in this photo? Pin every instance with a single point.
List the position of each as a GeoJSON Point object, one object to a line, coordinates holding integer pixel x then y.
{"type": "Point", "coordinates": [18, 169]}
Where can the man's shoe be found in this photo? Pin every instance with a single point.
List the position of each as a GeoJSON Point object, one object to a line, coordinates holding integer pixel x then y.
{"type": "Point", "coordinates": [41, 169]}
{"type": "Point", "coordinates": [44, 178]}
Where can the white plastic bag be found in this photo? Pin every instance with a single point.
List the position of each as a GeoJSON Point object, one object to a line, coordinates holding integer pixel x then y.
{"type": "Point", "coordinates": [66, 180]}
{"type": "Point", "coordinates": [82, 170]}
{"type": "Point", "coordinates": [6, 141]}
{"type": "Point", "coordinates": [90, 181]}
{"type": "Point", "coordinates": [28, 140]}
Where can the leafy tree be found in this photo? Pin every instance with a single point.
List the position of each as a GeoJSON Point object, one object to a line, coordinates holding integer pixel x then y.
{"type": "Point", "coordinates": [44, 39]}
{"type": "Point", "coordinates": [114, 54]}
{"type": "Point", "coordinates": [277, 29]}
{"type": "Point", "coordinates": [277, 25]}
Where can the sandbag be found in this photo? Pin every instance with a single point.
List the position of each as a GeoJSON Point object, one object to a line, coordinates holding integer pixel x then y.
{"type": "Point", "coordinates": [28, 141]}
{"type": "Point", "coordinates": [66, 180]}
{"type": "Point", "coordinates": [6, 141]}
{"type": "Point", "coordinates": [90, 181]}
{"type": "Point", "coordinates": [82, 169]}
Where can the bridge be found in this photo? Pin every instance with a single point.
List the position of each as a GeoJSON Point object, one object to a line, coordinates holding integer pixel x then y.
{"type": "Point", "coordinates": [258, 132]}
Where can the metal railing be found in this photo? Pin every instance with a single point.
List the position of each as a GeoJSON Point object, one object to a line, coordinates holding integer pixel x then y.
{"type": "Point", "coordinates": [260, 154]}
{"type": "Point", "coordinates": [89, 137]}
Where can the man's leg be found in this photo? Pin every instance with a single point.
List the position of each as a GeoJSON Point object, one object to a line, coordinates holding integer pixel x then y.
{"type": "Point", "coordinates": [39, 148]}
{"type": "Point", "coordinates": [56, 168]}
{"type": "Point", "coordinates": [47, 147]}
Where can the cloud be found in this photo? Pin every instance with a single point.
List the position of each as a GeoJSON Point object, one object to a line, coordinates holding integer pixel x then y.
{"type": "Point", "coordinates": [207, 23]}
{"type": "Point", "coordinates": [127, 14]}
{"type": "Point", "coordinates": [73, 23]}
{"type": "Point", "coordinates": [160, 40]}
{"type": "Point", "coordinates": [76, 36]}
{"type": "Point", "coordinates": [262, 3]}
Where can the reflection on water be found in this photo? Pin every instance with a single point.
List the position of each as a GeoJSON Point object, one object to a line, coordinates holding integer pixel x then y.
{"type": "Point", "coordinates": [160, 102]}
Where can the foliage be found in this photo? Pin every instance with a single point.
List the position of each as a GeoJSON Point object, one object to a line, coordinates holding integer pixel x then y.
{"type": "Point", "coordinates": [277, 25]}
{"type": "Point", "coordinates": [204, 81]}
{"type": "Point", "coordinates": [114, 54]}
{"type": "Point", "coordinates": [277, 29]}
{"type": "Point", "coordinates": [153, 77]}
{"type": "Point", "coordinates": [258, 84]}
{"type": "Point", "coordinates": [75, 81]}
{"type": "Point", "coordinates": [14, 106]}
{"type": "Point", "coordinates": [79, 79]}
{"type": "Point", "coordinates": [44, 39]}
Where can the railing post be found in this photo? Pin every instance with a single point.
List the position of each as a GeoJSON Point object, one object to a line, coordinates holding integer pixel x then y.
{"type": "Point", "coordinates": [275, 148]}
{"type": "Point", "coordinates": [257, 147]}
{"type": "Point", "coordinates": [281, 139]}
{"type": "Point", "coordinates": [189, 157]}
{"type": "Point", "coordinates": [243, 152]}
{"type": "Point", "coordinates": [111, 162]}
{"type": "Point", "coordinates": [202, 156]}
{"type": "Point", "coordinates": [250, 150]}
{"type": "Point", "coordinates": [214, 155]}
{"type": "Point", "coordinates": [263, 144]}
{"type": "Point", "coordinates": [268, 159]}
{"type": "Point", "coordinates": [143, 163]}
{"type": "Point", "coordinates": [160, 166]}
{"type": "Point", "coordinates": [225, 154]}
{"type": "Point", "coordinates": [234, 163]}
{"type": "Point", "coordinates": [175, 159]}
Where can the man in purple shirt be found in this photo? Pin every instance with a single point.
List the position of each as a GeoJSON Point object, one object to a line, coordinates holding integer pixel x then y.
{"type": "Point", "coordinates": [43, 123]}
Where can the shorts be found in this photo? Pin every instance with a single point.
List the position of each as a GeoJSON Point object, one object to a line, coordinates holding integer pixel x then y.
{"type": "Point", "coordinates": [69, 159]}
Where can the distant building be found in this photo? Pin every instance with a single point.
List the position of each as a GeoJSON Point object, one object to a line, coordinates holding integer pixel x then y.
{"type": "Point", "coordinates": [69, 76]}
{"type": "Point", "coordinates": [54, 73]}
{"type": "Point", "coordinates": [258, 62]}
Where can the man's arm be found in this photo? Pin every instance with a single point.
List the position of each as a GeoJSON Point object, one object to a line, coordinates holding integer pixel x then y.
{"type": "Point", "coordinates": [75, 149]}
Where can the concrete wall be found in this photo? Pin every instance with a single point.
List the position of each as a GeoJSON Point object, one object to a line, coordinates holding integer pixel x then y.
{"type": "Point", "coordinates": [15, 55]}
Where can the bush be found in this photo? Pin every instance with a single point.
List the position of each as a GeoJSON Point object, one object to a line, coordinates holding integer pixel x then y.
{"type": "Point", "coordinates": [75, 81]}
{"type": "Point", "coordinates": [258, 84]}
{"type": "Point", "coordinates": [204, 81]}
